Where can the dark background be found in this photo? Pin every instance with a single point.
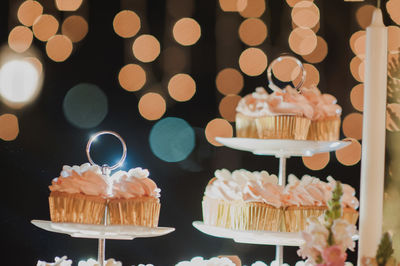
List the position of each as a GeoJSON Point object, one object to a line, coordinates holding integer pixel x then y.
{"type": "Point", "coordinates": [47, 141]}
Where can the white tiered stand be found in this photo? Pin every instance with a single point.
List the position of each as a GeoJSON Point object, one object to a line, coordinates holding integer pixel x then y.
{"type": "Point", "coordinates": [281, 149]}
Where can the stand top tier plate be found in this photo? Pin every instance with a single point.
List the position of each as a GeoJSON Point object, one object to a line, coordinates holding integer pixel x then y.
{"type": "Point", "coordinates": [98, 231]}
{"type": "Point", "coordinates": [282, 147]}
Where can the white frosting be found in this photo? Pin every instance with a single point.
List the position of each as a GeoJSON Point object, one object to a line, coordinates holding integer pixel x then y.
{"type": "Point", "coordinates": [199, 261]}
{"type": "Point", "coordinates": [132, 173]}
{"type": "Point", "coordinates": [92, 262]}
{"type": "Point", "coordinates": [67, 170]}
{"type": "Point", "coordinates": [63, 261]}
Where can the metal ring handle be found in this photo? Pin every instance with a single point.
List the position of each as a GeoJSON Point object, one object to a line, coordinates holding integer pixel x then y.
{"type": "Point", "coordinates": [279, 59]}
{"type": "Point", "coordinates": [94, 137]}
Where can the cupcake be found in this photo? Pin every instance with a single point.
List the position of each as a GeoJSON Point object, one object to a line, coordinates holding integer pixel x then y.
{"type": "Point", "coordinates": [215, 261]}
{"type": "Point", "coordinates": [135, 199]}
{"type": "Point", "coordinates": [325, 124]}
{"type": "Point", "coordinates": [78, 195]}
{"type": "Point", "coordinates": [243, 200]}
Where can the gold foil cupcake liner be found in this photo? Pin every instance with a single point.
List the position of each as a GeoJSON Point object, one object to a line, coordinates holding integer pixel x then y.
{"type": "Point", "coordinates": [325, 130]}
{"type": "Point", "coordinates": [283, 127]}
{"type": "Point", "coordinates": [296, 216]}
{"type": "Point", "coordinates": [241, 215]}
{"type": "Point", "coordinates": [350, 215]}
{"type": "Point", "coordinates": [76, 208]}
{"type": "Point", "coordinates": [143, 211]}
{"type": "Point", "coordinates": [245, 126]}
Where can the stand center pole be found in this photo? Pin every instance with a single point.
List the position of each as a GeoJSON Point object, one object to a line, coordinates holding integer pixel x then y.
{"type": "Point", "coordinates": [282, 182]}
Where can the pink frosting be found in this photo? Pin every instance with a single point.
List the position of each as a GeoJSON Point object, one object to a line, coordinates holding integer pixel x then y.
{"type": "Point", "coordinates": [263, 192]}
{"type": "Point", "coordinates": [134, 183]}
{"type": "Point", "coordinates": [85, 179]}
{"type": "Point", "coordinates": [325, 105]}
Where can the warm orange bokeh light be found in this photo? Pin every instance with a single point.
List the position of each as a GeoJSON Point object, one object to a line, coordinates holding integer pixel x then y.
{"type": "Point", "coordinates": [20, 39]}
{"type": "Point", "coordinates": [253, 31]}
{"type": "Point", "coordinates": [286, 69]}
{"type": "Point", "coordinates": [305, 14]}
{"type": "Point", "coordinates": [359, 46]}
{"type": "Point", "coordinates": [227, 107]}
{"type": "Point", "coordinates": [361, 70]}
{"type": "Point", "coordinates": [126, 23]}
{"type": "Point", "coordinates": [312, 76]}
{"type": "Point", "coordinates": [152, 106]}
{"type": "Point", "coordinates": [364, 15]}
{"type": "Point", "coordinates": [229, 81]}
{"type": "Point", "coordinates": [319, 53]}
{"type": "Point", "coordinates": [68, 5]}
{"type": "Point", "coordinates": [45, 26]}
{"type": "Point", "coordinates": [132, 77]}
{"type": "Point", "coordinates": [36, 63]}
{"type": "Point", "coordinates": [253, 61]}
{"type": "Point", "coordinates": [357, 97]}
{"type": "Point", "coordinates": [302, 41]}
{"type": "Point", "coordinates": [146, 48]}
{"type": "Point", "coordinates": [174, 59]}
{"type": "Point", "coordinates": [75, 28]}
{"type": "Point", "coordinates": [355, 68]}
{"type": "Point", "coordinates": [218, 128]}
{"type": "Point", "coordinates": [393, 8]}
{"type": "Point", "coordinates": [317, 161]}
{"type": "Point", "coordinates": [29, 11]}
{"type": "Point", "coordinates": [393, 38]}
{"type": "Point", "coordinates": [354, 38]}
{"type": "Point", "coordinates": [253, 9]}
{"type": "Point", "coordinates": [352, 125]}
{"type": "Point", "coordinates": [59, 48]}
{"type": "Point", "coordinates": [9, 128]}
{"type": "Point", "coordinates": [232, 5]}
{"type": "Point", "coordinates": [351, 154]}
{"type": "Point", "coordinates": [186, 31]}
{"type": "Point", "coordinates": [181, 87]}
{"type": "Point", "coordinates": [292, 3]}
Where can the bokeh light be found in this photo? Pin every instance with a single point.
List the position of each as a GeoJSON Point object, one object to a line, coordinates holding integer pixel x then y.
{"type": "Point", "coordinates": [351, 154]}
{"type": "Point", "coordinates": [186, 31]}
{"type": "Point", "coordinates": [253, 61]}
{"type": "Point", "coordinates": [364, 15]}
{"type": "Point", "coordinates": [126, 24]}
{"type": "Point", "coordinates": [317, 161]}
{"type": "Point", "coordinates": [355, 37]}
{"type": "Point", "coordinates": [75, 28]}
{"type": "Point", "coordinates": [181, 87]}
{"type": "Point", "coordinates": [9, 128]}
{"type": "Point", "coordinates": [218, 128]}
{"type": "Point", "coordinates": [20, 39]}
{"type": "Point", "coordinates": [393, 117]}
{"type": "Point", "coordinates": [68, 5]}
{"type": "Point", "coordinates": [393, 8]}
{"type": "Point", "coordinates": [227, 107]}
{"type": "Point", "coordinates": [253, 31]}
{"type": "Point", "coordinates": [292, 3]}
{"type": "Point", "coordinates": [355, 68]}
{"type": "Point", "coordinates": [302, 41]}
{"type": "Point", "coordinates": [179, 8]}
{"type": "Point", "coordinates": [361, 70]}
{"type": "Point", "coordinates": [393, 38]}
{"type": "Point", "coordinates": [59, 48]}
{"type": "Point", "coordinates": [44, 27]}
{"type": "Point", "coordinates": [312, 76]}
{"type": "Point", "coordinates": [352, 125]}
{"type": "Point", "coordinates": [146, 48]}
{"type": "Point", "coordinates": [253, 9]}
{"type": "Point", "coordinates": [85, 105]}
{"type": "Point", "coordinates": [132, 77]}
{"type": "Point", "coordinates": [29, 11]}
{"type": "Point", "coordinates": [19, 83]}
{"type": "Point", "coordinates": [319, 53]}
{"type": "Point", "coordinates": [36, 63]}
{"type": "Point", "coordinates": [232, 6]}
{"type": "Point", "coordinates": [229, 81]}
{"type": "Point", "coordinates": [152, 106]}
{"type": "Point", "coordinates": [172, 139]}
{"type": "Point", "coordinates": [286, 69]}
{"type": "Point", "coordinates": [360, 46]}
{"type": "Point", "coordinates": [357, 97]}
{"type": "Point", "coordinates": [174, 59]}
{"type": "Point", "coordinates": [305, 14]}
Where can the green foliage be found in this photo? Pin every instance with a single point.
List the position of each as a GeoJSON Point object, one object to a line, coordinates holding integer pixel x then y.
{"type": "Point", "coordinates": [385, 250]}
{"type": "Point", "coordinates": [393, 82]}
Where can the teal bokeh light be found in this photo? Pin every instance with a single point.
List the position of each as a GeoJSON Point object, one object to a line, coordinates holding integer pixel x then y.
{"type": "Point", "coordinates": [172, 139]}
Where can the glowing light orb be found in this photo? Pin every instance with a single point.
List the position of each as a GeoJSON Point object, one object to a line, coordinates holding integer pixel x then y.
{"type": "Point", "coordinates": [317, 161]}
{"type": "Point", "coordinates": [186, 31]}
{"type": "Point", "coordinates": [9, 128]}
{"type": "Point", "coordinates": [28, 11]}
{"type": "Point", "coordinates": [218, 128]}
{"type": "Point", "coordinates": [126, 23]}
{"type": "Point", "coordinates": [181, 87]}
{"type": "Point", "coordinates": [146, 48]}
{"type": "Point", "coordinates": [229, 81]}
{"type": "Point", "coordinates": [172, 139]}
{"type": "Point", "coordinates": [20, 39]}
{"type": "Point", "coordinates": [152, 106]}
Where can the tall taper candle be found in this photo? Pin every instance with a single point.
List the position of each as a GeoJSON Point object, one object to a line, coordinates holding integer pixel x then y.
{"type": "Point", "coordinates": [373, 142]}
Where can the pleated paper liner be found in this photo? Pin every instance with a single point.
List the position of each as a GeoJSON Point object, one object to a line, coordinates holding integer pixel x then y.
{"type": "Point", "coordinates": [245, 126]}
{"type": "Point", "coordinates": [325, 130]}
{"type": "Point", "coordinates": [350, 214]}
{"type": "Point", "coordinates": [143, 211]}
{"type": "Point", "coordinates": [240, 215]}
{"type": "Point", "coordinates": [283, 127]}
{"type": "Point", "coordinates": [76, 208]}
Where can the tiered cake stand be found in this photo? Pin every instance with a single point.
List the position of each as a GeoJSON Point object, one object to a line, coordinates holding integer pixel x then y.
{"type": "Point", "coordinates": [282, 149]}
{"type": "Point", "coordinates": [103, 231]}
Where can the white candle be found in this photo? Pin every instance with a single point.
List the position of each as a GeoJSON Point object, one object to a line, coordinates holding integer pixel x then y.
{"type": "Point", "coordinates": [373, 142]}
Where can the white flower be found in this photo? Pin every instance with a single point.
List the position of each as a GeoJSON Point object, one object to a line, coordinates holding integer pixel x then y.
{"type": "Point", "coordinates": [342, 234]}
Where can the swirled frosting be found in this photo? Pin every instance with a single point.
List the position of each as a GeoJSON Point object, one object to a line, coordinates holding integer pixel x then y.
{"type": "Point", "coordinates": [348, 198]}
{"type": "Point", "coordinates": [63, 261]}
{"type": "Point", "coordinates": [92, 262]}
{"type": "Point", "coordinates": [325, 105]}
{"type": "Point", "coordinates": [199, 261]}
{"type": "Point", "coordinates": [280, 102]}
{"type": "Point", "coordinates": [134, 183]}
{"type": "Point", "coordinates": [86, 179]}
{"type": "Point", "coordinates": [244, 185]}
